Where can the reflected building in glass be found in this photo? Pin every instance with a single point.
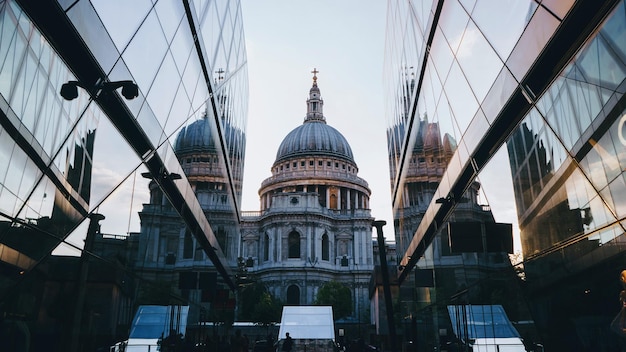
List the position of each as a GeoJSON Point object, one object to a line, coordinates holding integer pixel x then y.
{"type": "Point", "coordinates": [542, 82]}
{"type": "Point", "coordinates": [105, 192]}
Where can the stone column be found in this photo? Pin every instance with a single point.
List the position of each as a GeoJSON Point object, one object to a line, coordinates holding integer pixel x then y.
{"type": "Point", "coordinates": [276, 241]}
{"type": "Point", "coordinates": [327, 197]}
{"type": "Point", "coordinates": [339, 198]}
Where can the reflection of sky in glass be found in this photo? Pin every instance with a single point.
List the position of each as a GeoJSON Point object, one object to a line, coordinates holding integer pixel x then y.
{"type": "Point", "coordinates": [175, 93]}
{"type": "Point", "coordinates": [465, 58]}
{"type": "Point", "coordinates": [122, 25]}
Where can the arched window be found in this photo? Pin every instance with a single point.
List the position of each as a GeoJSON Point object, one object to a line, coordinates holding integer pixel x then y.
{"type": "Point", "coordinates": [293, 295]}
{"type": "Point", "coordinates": [325, 247]}
{"type": "Point", "coordinates": [266, 248]}
{"type": "Point", "coordinates": [294, 244]}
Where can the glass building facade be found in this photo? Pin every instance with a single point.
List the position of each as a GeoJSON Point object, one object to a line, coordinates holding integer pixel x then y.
{"type": "Point", "coordinates": [544, 83]}
{"type": "Point", "coordinates": [86, 174]}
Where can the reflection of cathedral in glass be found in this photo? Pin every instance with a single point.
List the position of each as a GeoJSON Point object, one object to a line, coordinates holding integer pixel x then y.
{"type": "Point", "coordinates": [168, 251]}
{"type": "Point", "coordinates": [431, 153]}
{"type": "Point", "coordinates": [99, 159]}
{"type": "Point", "coordinates": [314, 225]}
{"type": "Point", "coordinates": [462, 270]}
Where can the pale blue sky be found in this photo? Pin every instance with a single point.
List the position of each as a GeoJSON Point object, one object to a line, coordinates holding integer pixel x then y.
{"type": "Point", "coordinates": [344, 40]}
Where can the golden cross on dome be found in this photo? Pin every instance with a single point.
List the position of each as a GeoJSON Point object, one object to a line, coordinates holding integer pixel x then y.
{"type": "Point", "coordinates": [315, 72]}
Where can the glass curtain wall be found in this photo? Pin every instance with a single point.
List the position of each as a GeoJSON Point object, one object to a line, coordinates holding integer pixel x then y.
{"type": "Point", "coordinates": [112, 199]}
{"type": "Point", "coordinates": [520, 103]}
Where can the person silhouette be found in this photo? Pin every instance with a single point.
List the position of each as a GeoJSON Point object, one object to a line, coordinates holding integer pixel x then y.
{"type": "Point", "coordinates": [288, 343]}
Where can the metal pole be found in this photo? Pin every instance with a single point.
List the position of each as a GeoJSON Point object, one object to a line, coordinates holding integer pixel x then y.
{"type": "Point", "coordinates": [93, 228]}
{"type": "Point", "coordinates": [382, 252]}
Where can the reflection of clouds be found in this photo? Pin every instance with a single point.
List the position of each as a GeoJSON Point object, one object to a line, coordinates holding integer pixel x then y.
{"type": "Point", "coordinates": [465, 42]}
{"type": "Point", "coordinates": [103, 181]}
{"type": "Point", "coordinates": [596, 167]}
{"type": "Point", "coordinates": [497, 186]}
{"type": "Point", "coordinates": [122, 206]}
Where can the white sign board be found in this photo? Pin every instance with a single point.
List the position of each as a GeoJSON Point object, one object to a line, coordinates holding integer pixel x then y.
{"type": "Point", "coordinates": [307, 322]}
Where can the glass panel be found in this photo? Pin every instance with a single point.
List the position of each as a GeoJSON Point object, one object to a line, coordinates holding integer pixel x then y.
{"type": "Point", "coordinates": [28, 180]}
{"type": "Point", "coordinates": [6, 149]}
{"type": "Point", "coordinates": [210, 30]}
{"type": "Point", "coordinates": [145, 52]}
{"type": "Point", "coordinates": [618, 136]}
{"type": "Point", "coordinates": [431, 92]}
{"type": "Point", "coordinates": [163, 90]}
{"type": "Point", "coordinates": [109, 170]}
{"type": "Point", "coordinates": [123, 206]}
{"type": "Point", "coordinates": [441, 55]}
{"type": "Point", "coordinates": [503, 31]}
{"type": "Point", "coordinates": [445, 118]}
{"type": "Point", "coordinates": [170, 14]}
{"type": "Point", "coordinates": [92, 31]}
{"type": "Point", "coordinates": [556, 106]}
{"type": "Point", "coordinates": [31, 113]}
{"type": "Point", "coordinates": [17, 167]}
{"type": "Point", "coordinates": [498, 190]}
{"type": "Point", "coordinates": [122, 25]}
{"type": "Point", "coordinates": [22, 86]}
{"type": "Point", "coordinates": [8, 201]}
{"type": "Point", "coordinates": [179, 113]}
{"type": "Point", "coordinates": [40, 203]}
{"type": "Point", "coordinates": [475, 131]}
{"type": "Point", "coordinates": [539, 30]}
{"type": "Point", "coordinates": [460, 97]}
{"type": "Point", "coordinates": [74, 243]}
{"type": "Point", "coordinates": [50, 114]}
{"type": "Point", "coordinates": [181, 47]}
{"type": "Point", "coordinates": [614, 31]}
{"type": "Point", "coordinates": [453, 22]}
{"type": "Point", "coordinates": [8, 30]}
{"type": "Point", "coordinates": [479, 62]}
{"type": "Point", "coordinates": [601, 66]}
{"type": "Point", "coordinates": [12, 50]}
{"type": "Point", "coordinates": [558, 7]}
{"type": "Point", "coordinates": [150, 125]}
{"type": "Point", "coordinates": [618, 194]}
{"type": "Point", "coordinates": [193, 79]}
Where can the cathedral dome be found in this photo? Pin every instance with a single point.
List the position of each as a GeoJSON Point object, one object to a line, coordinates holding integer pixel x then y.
{"type": "Point", "coordinates": [195, 136]}
{"type": "Point", "coordinates": [199, 136]}
{"type": "Point", "coordinates": [314, 136]}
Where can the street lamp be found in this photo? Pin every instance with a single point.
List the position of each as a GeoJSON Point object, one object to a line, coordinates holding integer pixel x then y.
{"type": "Point", "coordinates": [130, 90]}
{"type": "Point", "coordinates": [164, 175]}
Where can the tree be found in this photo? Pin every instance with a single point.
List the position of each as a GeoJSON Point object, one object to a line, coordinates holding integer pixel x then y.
{"type": "Point", "coordinates": [258, 305]}
{"type": "Point", "coordinates": [267, 310]}
{"type": "Point", "coordinates": [336, 295]}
